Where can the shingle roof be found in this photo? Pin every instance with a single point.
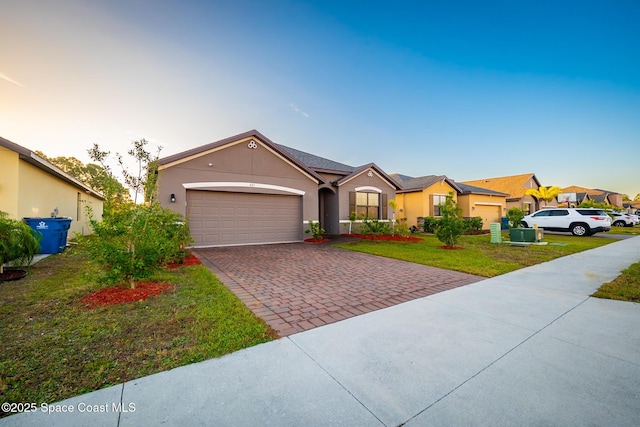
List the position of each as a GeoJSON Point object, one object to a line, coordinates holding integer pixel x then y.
{"type": "Point", "coordinates": [408, 183]}
{"type": "Point", "coordinates": [470, 189]}
{"type": "Point", "coordinates": [316, 162]}
{"type": "Point", "coordinates": [513, 185]}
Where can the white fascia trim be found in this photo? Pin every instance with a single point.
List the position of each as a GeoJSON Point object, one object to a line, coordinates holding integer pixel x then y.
{"type": "Point", "coordinates": [360, 221]}
{"type": "Point", "coordinates": [487, 204]}
{"type": "Point", "coordinates": [295, 191]}
{"type": "Point", "coordinates": [368, 188]}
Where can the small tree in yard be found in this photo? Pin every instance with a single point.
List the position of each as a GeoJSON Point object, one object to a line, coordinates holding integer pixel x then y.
{"type": "Point", "coordinates": [133, 240]}
{"type": "Point", "coordinates": [451, 225]}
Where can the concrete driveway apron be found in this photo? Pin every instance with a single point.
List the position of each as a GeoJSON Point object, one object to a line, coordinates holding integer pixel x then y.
{"type": "Point", "coordinates": [299, 286]}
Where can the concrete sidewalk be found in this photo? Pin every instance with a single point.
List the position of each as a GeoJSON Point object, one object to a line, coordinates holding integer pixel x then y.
{"type": "Point", "coordinates": [526, 348]}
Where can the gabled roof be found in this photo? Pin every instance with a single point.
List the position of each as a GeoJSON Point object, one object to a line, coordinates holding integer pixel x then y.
{"type": "Point", "coordinates": [470, 189]}
{"type": "Point", "coordinates": [578, 189]}
{"type": "Point", "coordinates": [513, 185]}
{"type": "Point", "coordinates": [42, 164]}
{"type": "Point", "coordinates": [409, 184]}
{"type": "Point", "coordinates": [203, 149]}
{"type": "Point", "coordinates": [317, 163]}
{"type": "Point", "coordinates": [372, 166]}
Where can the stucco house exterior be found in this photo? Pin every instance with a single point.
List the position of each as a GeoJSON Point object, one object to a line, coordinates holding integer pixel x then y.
{"type": "Point", "coordinates": [515, 186]}
{"type": "Point", "coordinates": [246, 189]}
{"type": "Point", "coordinates": [421, 197]}
{"type": "Point", "coordinates": [32, 187]}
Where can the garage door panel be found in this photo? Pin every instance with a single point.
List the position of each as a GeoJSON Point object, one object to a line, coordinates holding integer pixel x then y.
{"type": "Point", "coordinates": [225, 218]}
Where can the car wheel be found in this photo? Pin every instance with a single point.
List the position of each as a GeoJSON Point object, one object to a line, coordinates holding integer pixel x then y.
{"type": "Point", "coordinates": [618, 224]}
{"type": "Point", "coordinates": [524, 224]}
{"type": "Point", "coordinates": [580, 230]}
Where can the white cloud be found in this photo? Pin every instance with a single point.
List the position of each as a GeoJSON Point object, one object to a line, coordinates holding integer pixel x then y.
{"type": "Point", "coordinates": [10, 80]}
{"type": "Point", "coordinates": [297, 110]}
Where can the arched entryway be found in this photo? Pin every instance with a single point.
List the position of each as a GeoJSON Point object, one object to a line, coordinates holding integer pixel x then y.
{"type": "Point", "coordinates": [329, 213]}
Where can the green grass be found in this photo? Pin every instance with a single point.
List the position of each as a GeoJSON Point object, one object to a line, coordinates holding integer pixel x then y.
{"type": "Point", "coordinates": [635, 230]}
{"type": "Point", "coordinates": [479, 256]}
{"type": "Point", "coordinates": [54, 348]}
{"type": "Point", "coordinates": [625, 287]}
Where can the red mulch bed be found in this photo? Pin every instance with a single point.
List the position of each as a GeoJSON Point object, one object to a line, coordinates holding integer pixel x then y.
{"type": "Point", "coordinates": [312, 240]}
{"type": "Point", "coordinates": [384, 237]}
{"type": "Point", "coordinates": [190, 259]}
{"type": "Point", "coordinates": [119, 295]}
{"type": "Point", "coordinates": [450, 248]}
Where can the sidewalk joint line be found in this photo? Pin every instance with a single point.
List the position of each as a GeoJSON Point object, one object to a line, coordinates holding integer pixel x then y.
{"type": "Point", "coordinates": [336, 380]}
{"type": "Point", "coordinates": [120, 411]}
{"type": "Point", "coordinates": [497, 360]}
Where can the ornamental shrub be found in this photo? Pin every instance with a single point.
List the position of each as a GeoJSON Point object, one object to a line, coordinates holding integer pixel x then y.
{"type": "Point", "coordinates": [473, 224]}
{"type": "Point", "coordinates": [451, 225]}
{"type": "Point", "coordinates": [316, 231]}
{"type": "Point", "coordinates": [19, 243]}
{"type": "Point", "coordinates": [515, 216]}
{"type": "Point", "coordinates": [430, 224]}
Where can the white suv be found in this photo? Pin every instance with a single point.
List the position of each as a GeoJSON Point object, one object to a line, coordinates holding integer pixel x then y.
{"type": "Point", "coordinates": [579, 221]}
{"type": "Point", "coordinates": [621, 219]}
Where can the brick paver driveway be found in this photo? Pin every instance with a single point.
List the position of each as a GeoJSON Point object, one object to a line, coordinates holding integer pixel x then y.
{"type": "Point", "coordinates": [299, 286]}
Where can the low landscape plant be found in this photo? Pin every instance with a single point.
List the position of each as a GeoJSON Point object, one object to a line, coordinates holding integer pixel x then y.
{"type": "Point", "coordinates": [19, 243]}
{"type": "Point", "coordinates": [430, 224]}
{"type": "Point", "coordinates": [473, 224]}
{"type": "Point", "coordinates": [316, 231]}
{"type": "Point", "coordinates": [375, 226]}
{"type": "Point", "coordinates": [515, 216]}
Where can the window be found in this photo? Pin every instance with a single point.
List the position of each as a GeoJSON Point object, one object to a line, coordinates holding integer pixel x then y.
{"type": "Point", "coordinates": [438, 199]}
{"type": "Point", "coordinates": [368, 204]}
{"type": "Point", "coordinates": [559, 212]}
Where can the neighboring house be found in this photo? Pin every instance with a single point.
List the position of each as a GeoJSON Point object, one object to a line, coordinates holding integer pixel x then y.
{"type": "Point", "coordinates": [421, 196]}
{"type": "Point", "coordinates": [516, 187]}
{"type": "Point", "coordinates": [247, 189]}
{"type": "Point", "coordinates": [487, 204]}
{"type": "Point", "coordinates": [32, 187]}
{"type": "Point", "coordinates": [597, 195]}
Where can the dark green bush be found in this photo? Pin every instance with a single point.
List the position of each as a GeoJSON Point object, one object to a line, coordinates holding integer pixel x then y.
{"type": "Point", "coordinates": [514, 216]}
{"type": "Point", "coordinates": [473, 224]}
{"type": "Point", "coordinates": [430, 224]}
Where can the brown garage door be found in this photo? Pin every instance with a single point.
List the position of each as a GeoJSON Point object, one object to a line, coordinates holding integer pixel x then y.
{"type": "Point", "coordinates": [218, 218]}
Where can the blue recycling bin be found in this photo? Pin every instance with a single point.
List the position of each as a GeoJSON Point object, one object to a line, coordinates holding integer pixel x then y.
{"type": "Point", "coordinates": [505, 223]}
{"type": "Point", "coordinates": [53, 231]}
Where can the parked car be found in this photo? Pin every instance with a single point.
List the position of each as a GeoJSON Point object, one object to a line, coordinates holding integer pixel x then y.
{"type": "Point", "coordinates": [579, 221]}
{"type": "Point", "coordinates": [621, 219]}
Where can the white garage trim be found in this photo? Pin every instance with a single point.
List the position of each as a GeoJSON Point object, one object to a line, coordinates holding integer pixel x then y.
{"type": "Point", "coordinates": [488, 204]}
{"type": "Point", "coordinates": [193, 185]}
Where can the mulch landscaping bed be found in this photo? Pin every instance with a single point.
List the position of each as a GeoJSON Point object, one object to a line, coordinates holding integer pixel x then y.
{"type": "Point", "coordinates": [119, 295]}
{"type": "Point", "coordinates": [142, 291]}
{"type": "Point", "coordinates": [384, 237]}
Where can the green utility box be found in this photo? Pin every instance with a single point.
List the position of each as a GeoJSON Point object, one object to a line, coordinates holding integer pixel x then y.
{"type": "Point", "coordinates": [530, 235]}
{"type": "Point", "coordinates": [496, 235]}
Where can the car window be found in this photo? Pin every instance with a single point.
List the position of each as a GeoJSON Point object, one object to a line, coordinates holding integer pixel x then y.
{"type": "Point", "coordinates": [590, 212]}
{"type": "Point", "coordinates": [541, 213]}
{"type": "Point", "coordinates": [559, 212]}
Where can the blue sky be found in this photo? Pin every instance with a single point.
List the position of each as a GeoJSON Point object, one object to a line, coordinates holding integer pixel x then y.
{"type": "Point", "coordinates": [466, 89]}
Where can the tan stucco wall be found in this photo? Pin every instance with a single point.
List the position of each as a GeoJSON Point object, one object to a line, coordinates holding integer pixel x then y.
{"type": "Point", "coordinates": [9, 163]}
{"type": "Point", "coordinates": [237, 163]}
{"type": "Point", "coordinates": [40, 193]}
{"type": "Point", "coordinates": [417, 204]}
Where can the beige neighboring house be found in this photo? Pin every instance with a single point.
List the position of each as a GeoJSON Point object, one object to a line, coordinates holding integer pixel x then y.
{"type": "Point", "coordinates": [597, 195]}
{"type": "Point", "coordinates": [31, 187]}
{"type": "Point", "coordinates": [516, 187]}
{"type": "Point", "coordinates": [247, 189]}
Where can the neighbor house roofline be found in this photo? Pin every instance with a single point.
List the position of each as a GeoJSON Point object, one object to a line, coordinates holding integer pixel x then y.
{"type": "Point", "coordinates": [359, 170]}
{"type": "Point", "coordinates": [33, 159]}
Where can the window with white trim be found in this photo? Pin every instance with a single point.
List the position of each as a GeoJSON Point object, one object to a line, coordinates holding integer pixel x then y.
{"type": "Point", "coordinates": [438, 199]}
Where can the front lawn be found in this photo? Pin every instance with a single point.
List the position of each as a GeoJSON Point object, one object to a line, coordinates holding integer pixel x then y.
{"type": "Point", "coordinates": [53, 347]}
{"type": "Point", "coordinates": [635, 230]}
{"type": "Point", "coordinates": [625, 287]}
{"type": "Point", "coordinates": [479, 256]}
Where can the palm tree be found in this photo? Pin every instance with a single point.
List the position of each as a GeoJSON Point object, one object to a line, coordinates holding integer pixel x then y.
{"type": "Point", "coordinates": [544, 193]}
